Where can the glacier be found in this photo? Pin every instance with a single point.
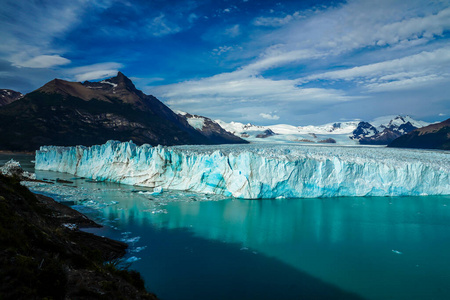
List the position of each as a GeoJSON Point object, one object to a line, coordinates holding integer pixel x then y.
{"type": "Point", "coordinates": [258, 171]}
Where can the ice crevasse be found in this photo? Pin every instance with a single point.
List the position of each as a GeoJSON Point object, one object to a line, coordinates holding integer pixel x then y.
{"type": "Point", "coordinates": [261, 171]}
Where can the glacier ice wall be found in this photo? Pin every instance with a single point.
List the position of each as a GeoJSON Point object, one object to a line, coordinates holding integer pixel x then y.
{"type": "Point", "coordinates": [261, 171]}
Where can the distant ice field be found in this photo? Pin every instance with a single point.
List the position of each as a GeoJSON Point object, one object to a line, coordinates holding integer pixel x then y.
{"type": "Point", "coordinates": [259, 171]}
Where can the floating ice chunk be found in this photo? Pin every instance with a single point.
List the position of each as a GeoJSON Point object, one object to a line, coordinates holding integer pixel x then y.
{"type": "Point", "coordinates": [157, 190]}
{"type": "Point", "coordinates": [138, 249]}
{"type": "Point", "coordinates": [132, 259]}
{"type": "Point", "coordinates": [131, 240]}
{"type": "Point", "coordinates": [159, 211]}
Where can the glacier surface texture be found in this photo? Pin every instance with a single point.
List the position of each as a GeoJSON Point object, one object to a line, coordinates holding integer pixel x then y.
{"type": "Point", "coordinates": [261, 171]}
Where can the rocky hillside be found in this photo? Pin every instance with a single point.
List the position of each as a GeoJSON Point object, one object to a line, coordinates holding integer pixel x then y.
{"type": "Point", "coordinates": [434, 136]}
{"type": "Point", "coordinates": [211, 129]}
{"type": "Point", "coordinates": [367, 134]}
{"type": "Point", "coordinates": [43, 255]}
{"type": "Point", "coordinates": [9, 96]}
{"type": "Point", "coordinates": [74, 113]}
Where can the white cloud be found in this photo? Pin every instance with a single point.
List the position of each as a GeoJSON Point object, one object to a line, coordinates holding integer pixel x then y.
{"type": "Point", "coordinates": [96, 75]}
{"type": "Point", "coordinates": [416, 82]}
{"type": "Point", "coordinates": [273, 57]}
{"type": "Point", "coordinates": [238, 94]}
{"type": "Point", "coordinates": [376, 23]}
{"type": "Point", "coordinates": [95, 71]}
{"type": "Point", "coordinates": [32, 26]}
{"type": "Point", "coordinates": [421, 61]}
{"type": "Point", "coordinates": [236, 86]}
{"type": "Point", "coordinates": [233, 31]}
{"type": "Point", "coordinates": [269, 116]}
{"type": "Point", "coordinates": [402, 73]}
{"type": "Point", "coordinates": [161, 26]}
{"type": "Point", "coordinates": [358, 24]}
{"type": "Point", "coordinates": [43, 61]}
{"type": "Point", "coordinates": [274, 21]}
{"type": "Point", "coordinates": [414, 28]}
{"type": "Point", "coordinates": [221, 50]}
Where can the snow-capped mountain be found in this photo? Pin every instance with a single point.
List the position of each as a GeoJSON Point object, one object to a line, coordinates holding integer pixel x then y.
{"type": "Point", "coordinates": [211, 129]}
{"type": "Point", "coordinates": [8, 96]}
{"type": "Point", "coordinates": [389, 129]}
{"type": "Point", "coordinates": [283, 133]}
{"type": "Point", "coordinates": [380, 131]}
{"type": "Point", "coordinates": [364, 129]}
{"type": "Point", "coordinates": [393, 120]}
{"type": "Point", "coordinates": [74, 113]}
{"type": "Point", "coordinates": [434, 136]}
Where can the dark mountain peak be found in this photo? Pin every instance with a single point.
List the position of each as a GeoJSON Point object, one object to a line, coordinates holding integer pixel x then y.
{"type": "Point", "coordinates": [121, 76]}
{"type": "Point", "coordinates": [122, 81]}
{"type": "Point", "coordinates": [120, 88]}
{"type": "Point", "coordinates": [89, 113]}
{"type": "Point", "coordinates": [363, 129]}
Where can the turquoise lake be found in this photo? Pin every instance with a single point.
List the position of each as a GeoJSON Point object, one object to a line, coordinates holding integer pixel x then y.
{"type": "Point", "coordinates": [192, 246]}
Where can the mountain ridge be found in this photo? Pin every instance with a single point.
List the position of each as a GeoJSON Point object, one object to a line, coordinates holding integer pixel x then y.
{"type": "Point", "coordinates": [434, 136]}
{"type": "Point", "coordinates": [73, 113]}
{"type": "Point", "coordinates": [8, 96]}
{"type": "Point", "coordinates": [380, 131]}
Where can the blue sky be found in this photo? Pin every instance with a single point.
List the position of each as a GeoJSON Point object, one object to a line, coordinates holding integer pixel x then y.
{"type": "Point", "coordinates": [265, 62]}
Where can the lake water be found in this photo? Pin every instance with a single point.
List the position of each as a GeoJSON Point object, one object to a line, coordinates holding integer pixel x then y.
{"type": "Point", "coordinates": [192, 246]}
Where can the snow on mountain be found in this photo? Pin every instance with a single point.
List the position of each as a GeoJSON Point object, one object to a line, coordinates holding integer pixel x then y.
{"type": "Point", "coordinates": [258, 171]}
{"type": "Point", "coordinates": [330, 128]}
{"type": "Point", "coordinates": [434, 136]}
{"type": "Point", "coordinates": [210, 129]}
{"type": "Point", "coordinates": [363, 130]}
{"type": "Point", "coordinates": [9, 96]}
{"type": "Point", "coordinates": [283, 133]}
{"type": "Point", "coordinates": [396, 121]}
{"type": "Point", "coordinates": [196, 122]}
{"type": "Point", "coordinates": [389, 128]}
{"type": "Point", "coordinates": [380, 131]}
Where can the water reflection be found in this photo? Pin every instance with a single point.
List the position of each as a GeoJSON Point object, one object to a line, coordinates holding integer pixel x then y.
{"type": "Point", "coordinates": [326, 221]}
{"type": "Point", "coordinates": [396, 240]}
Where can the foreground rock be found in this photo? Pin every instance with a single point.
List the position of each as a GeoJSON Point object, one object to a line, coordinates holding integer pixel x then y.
{"type": "Point", "coordinates": [13, 169]}
{"type": "Point", "coordinates": [44, 255]}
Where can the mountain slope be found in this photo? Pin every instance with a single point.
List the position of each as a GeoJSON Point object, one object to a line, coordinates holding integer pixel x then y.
{"type": "Point", "coordinates": [9, 96]}
{"type": "Point", "coordinates": [211, 129]}
{"type": "Point", "coordinates": [73, 113]}
{"type": "Point", "coordinates": [380, 131]}
{"type": "Point", "coordinates": [386, 133]}
{"type": "Point", "coordinates": [434, 136]}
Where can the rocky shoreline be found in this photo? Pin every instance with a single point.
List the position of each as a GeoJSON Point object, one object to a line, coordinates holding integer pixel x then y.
{"type": "Point", "coordinates": [43, 254]}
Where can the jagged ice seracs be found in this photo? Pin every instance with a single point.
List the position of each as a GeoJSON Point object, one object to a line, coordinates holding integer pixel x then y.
{"type": "Point", "coordinates": [258, 171]}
